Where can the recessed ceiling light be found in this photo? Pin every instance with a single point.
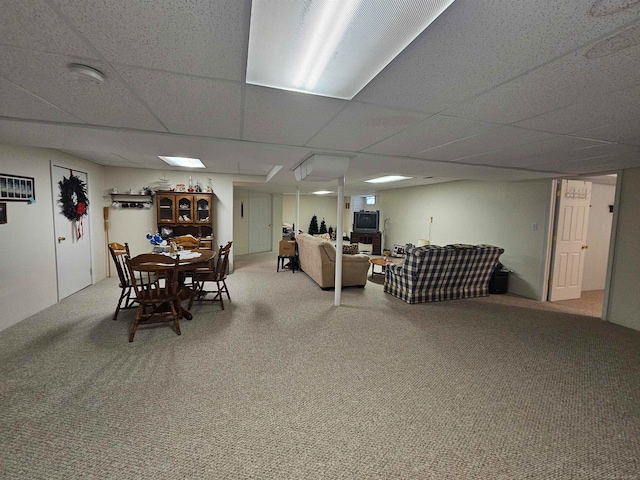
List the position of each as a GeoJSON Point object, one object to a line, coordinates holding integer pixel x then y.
{"type": "Point", "coordinates": [85, 73]}
{"type": "Point", "coordinates": [331, 48]}
{"type": "Point", "coordinates": [322, 192]}
{"type": "Point", "coordinates": [183, 162]}
{"type": "Point", "coordinates": [388, 178]}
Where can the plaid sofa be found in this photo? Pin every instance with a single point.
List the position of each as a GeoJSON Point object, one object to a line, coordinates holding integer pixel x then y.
{"type": "Point", "coordinates": [431, 273]}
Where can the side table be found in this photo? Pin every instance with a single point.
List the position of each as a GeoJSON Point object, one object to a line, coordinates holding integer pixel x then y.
{"type": "Point", "coordinates": [293, 261]}
{"type": "Point", "coordinates": [381, 262]}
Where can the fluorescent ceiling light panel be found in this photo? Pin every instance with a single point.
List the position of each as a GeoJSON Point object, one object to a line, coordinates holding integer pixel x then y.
{"type": "Point", "coordinates": [183, 162]}
{"type": "Point", "coordinates": [322, 192]}
{"type": "Point", "coordinates": [331, 48]}
{"type": "Point", "coordinates": [388, 178]}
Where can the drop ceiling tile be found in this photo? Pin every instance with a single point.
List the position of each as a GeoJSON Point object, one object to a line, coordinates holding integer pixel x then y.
{"type": "Point", "coordinates": [189, 36]}
{"type": "Point", "coordinates": [278, 116]}
{"type": "Point", "coordinates": [605, 163]}
{"type": "Point", "coordinates": [621, 106]}
{"type": "Point", "coordinates": [563, 82]}
{"type": "Point", "coordinates": [252, 169]}
{"type": "Point", "coordinates": [559, 159]}
{"type": "Point", "coordinates": [359, 126]}
{"type": "Point", "coordinates": [430, 133]}
{"type": "Point", "coordinates": [47, 76]}
{"type": "Point", "coordinates": [101, 158]}
{"type": "Point", "coordinates": [452, 170]}
{"type": "Point", "coordinates": [33, 24]}
{"type": "Point", "coordinates": [189, 105]}
{"type": "Point", "coordinates": [505, 137]}
{"type": "Point", "coordinates": [19, 103]}
{"type": "Point", "coordinates": [475, 46]}
{"type": "Point", "coordinates": [526, 154]}
{"type": "Point", "coordinates": [628, 132]}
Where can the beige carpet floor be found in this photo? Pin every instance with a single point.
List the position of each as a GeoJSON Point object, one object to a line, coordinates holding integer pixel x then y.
{"type": "Point", "coordinates": [284, 385]}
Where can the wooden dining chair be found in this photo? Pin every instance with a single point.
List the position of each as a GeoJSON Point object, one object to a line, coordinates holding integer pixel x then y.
{"type": "Point", "coordinates": [187, 242]}
{"type": "Point", "coordinates": [223, 277]}
{"type": "Point", "coordinates": [217, 274]}
{"type": "Point", "coordinates": [118, 253]}
{"type": "Point", "coordinates": [158, 293]}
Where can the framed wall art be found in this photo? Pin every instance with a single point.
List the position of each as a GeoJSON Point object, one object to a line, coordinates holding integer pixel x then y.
{"type": "Point", "coordinates": [16, 188]}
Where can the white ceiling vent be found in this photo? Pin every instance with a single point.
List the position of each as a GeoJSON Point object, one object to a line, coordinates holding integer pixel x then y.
{"type": "Point", "coordinates": [322, 168]}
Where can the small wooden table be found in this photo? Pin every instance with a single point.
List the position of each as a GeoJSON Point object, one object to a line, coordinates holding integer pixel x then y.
{"type": "Point", "coordinates": [293, 262]}
{"type": "Point", "coordinates": [199, 262]}
{"type": "Point", "coordinates": [191, 264]}
{"type": "Point", "coordinates": [383, 262]}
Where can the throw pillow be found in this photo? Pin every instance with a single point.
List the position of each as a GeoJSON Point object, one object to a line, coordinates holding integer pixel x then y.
{"type": "Point", "coordinates": [350, 249]}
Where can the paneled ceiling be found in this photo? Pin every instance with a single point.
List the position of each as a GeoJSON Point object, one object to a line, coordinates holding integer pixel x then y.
{"type": "Point", "coordinates": [495, 89]}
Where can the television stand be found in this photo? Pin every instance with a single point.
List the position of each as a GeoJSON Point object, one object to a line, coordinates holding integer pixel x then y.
{"type": "Point", "coordinates": [373, 239]}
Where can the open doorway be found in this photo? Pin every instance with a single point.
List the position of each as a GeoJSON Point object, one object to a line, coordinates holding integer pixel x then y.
{"type": "Point", "coordinates": [590, 275]}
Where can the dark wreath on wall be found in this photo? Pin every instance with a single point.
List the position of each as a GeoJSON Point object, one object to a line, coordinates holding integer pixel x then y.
{"type": "Point", "coordinates": [73, 200]}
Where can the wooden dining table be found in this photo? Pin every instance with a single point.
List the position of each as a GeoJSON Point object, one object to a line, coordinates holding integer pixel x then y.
{"type": "Point", "coordinates": [188, 264]}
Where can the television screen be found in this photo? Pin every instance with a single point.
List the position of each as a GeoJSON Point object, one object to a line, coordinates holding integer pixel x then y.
{"type": "Point", "coordinates": [365, 221]}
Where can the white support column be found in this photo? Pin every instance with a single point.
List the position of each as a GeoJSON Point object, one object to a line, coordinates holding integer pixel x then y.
{"type": "Point", "coordinates": [297, 226]}
{"type": "Point", "coordinates": [339, 235]}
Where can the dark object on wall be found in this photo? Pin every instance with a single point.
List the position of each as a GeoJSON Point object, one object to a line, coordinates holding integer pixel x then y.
{"type": "Point", "coordinates": [16, 188]}
{"type": "Point", "coordinates": [3, 212]}
{"type": "Point", "coordinates": [610, 208]}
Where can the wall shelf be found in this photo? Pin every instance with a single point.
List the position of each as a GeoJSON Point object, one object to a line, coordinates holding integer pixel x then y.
{"type": "Point", "coordinates": [126, 200]}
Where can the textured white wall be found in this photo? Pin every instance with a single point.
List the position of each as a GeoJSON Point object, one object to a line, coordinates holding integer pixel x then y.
{"type": "Point", "coordinates": [28, 264]}
{"type": "Point", "coordinates": [321, 205]}
{"type": "Point", "coordinates": [624, 301]}
{"type": "Point", "coordinates": [598, 237]}
{"type": "Point", "coordinates": [496, 213]}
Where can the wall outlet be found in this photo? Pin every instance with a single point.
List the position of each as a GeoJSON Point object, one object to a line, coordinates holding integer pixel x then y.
{"type": "Point", "coordinates": [534, 227]}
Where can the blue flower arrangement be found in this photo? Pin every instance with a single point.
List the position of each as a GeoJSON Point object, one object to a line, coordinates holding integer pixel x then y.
{"type": "Point", "coordinates": [154, 239]}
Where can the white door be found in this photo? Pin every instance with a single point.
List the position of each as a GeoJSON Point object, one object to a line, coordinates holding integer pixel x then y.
{"type": "Point", "coordinates": [260, 227]}
{"type": "Point", "coordinates": [570, 239]}
{"type": "Point", "coordinates": [72, 240]}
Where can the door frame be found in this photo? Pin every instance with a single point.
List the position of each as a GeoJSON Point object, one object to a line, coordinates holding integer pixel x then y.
{"type": "Point", "coordinates": [55, 211]}
{"type": "Point", "coordinates": [612, 247]}
{"type": "Point", "coordinates": [549, 241]}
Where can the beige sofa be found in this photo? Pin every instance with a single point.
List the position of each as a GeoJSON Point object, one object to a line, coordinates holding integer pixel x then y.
{"type": "Point", "coordinates": [318, 260]}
